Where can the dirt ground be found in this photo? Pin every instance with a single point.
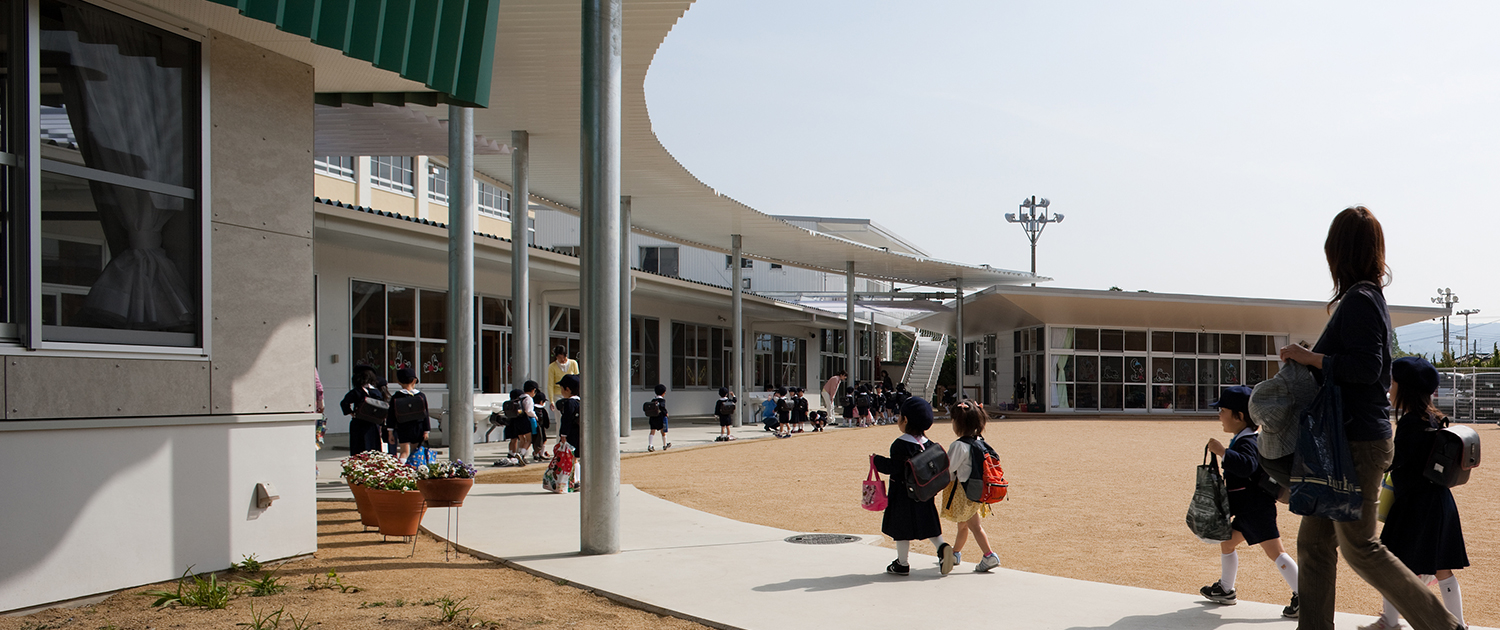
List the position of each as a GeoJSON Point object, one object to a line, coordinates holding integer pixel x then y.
{"type": "Point", "coordinates": [1100, 500]}
{"type": "Point", "coordinates": [386, 589]}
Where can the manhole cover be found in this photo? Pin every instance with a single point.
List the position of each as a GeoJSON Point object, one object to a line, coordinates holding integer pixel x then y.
{"type": "Point", "coordinates": [822, 539]}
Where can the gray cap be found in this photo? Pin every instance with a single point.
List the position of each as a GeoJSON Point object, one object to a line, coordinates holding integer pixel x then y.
{"type": "Point", "coordinates": [1276, 405]}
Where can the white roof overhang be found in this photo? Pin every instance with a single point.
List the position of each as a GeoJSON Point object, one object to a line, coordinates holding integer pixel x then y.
{"type": "Point", "coordinates": [1005, 308]}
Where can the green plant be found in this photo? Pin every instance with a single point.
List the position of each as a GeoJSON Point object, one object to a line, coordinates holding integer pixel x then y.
{"type": "Point", "coordinates": [200, 593]}
{"type": "Point", "coordinates": [331, 581]}
{"type": "Point", "coordinates": [268, 584]}
{"type": "Point", "coordinates": [300, 624]}
{"type": "Point", "coordinates": [449, 609]}
{"type": "Point", "coordinates": [268, 621]}
{"type": "Point", "coordinates": [248, 565]}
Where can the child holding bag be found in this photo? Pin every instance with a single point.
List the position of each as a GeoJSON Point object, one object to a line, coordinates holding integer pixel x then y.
{"type": "Point", "coordinates": [968, 423]}
{"type": "Point", "coordinates": [907, 519]}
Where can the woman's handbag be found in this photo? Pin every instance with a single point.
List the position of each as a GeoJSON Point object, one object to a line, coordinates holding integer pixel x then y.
{"type": "Point", "coordinates": [874, 490]}
{"type": "Point", "coordinates": [1324, 481]}
{"type": "Point", "coordinates": [1208, 513]}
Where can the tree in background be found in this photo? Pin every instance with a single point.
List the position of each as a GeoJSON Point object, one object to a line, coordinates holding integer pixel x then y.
{"type": "Point", "coordinates": [948, 376]}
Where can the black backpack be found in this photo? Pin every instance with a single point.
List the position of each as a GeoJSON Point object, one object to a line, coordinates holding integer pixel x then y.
{"type": "Point", "coordinates": [409, 409]}
{"type": "Point", "coordinates": [864, 400]}
{"type": "Point", "coordinates": [847, 401]}
{"type": "Point", "coordinates": [801, 406]}
{"type": "Point", "coordinates": [651, 408]}
{"type": "Point", "coordinates": [511, 409]}
{"type": "Point", "coordinates": [726, 407]}
{"type": "Point", "coordinates": [371, 409]}
{"type": "Point", "coordinates": [782, 406]}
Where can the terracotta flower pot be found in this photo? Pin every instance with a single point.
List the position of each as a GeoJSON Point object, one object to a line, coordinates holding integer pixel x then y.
{"type": "Point", "coordinates": [400, 512]}
{"type": "Point", "coordinates": [367, 516]}
{"type": "Point", "coordinates": [442, 493]}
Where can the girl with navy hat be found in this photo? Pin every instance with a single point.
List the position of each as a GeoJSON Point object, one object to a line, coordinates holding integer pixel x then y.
{"type": "Point", "coordinates": [1422, 528]}
{"type": "Point", "coordinates": [1253, 508]}
{"type": "Point", "coordinates": [905, 518]}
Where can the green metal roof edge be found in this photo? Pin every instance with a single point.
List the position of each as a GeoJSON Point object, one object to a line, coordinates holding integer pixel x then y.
{"type": "Point", "coordinates": [447, 45]}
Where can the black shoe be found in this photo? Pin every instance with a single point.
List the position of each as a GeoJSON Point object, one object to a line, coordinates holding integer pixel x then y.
{"type": "Point", "coordinates": [896, 568]}
{"type": "Point", "coordinates": [1293, 609]}
{"type": "Point", "coordinates": [946, 558]}
{"type": "Point", "coordinates": [1216, 594]}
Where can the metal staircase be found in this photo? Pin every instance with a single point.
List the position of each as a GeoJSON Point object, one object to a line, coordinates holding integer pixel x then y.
{"type": "Point", "coordinates": [925, 362]}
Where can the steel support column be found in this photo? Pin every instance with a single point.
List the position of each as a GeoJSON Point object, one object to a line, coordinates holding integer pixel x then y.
{"type": "Point", "coordinates": [520, 258]}
{"type": "Point", "coordinates": [625, 323]}
{"type": "Point", "coordinates": [958, 374]}
{"type": "Point", "coordinates": [459, 427]}
{"type": "Point", "coordinates": [851, 346]}
{"type": "Point", "coordinates": [737, 305]}
{"type": "Point", "coordinates": [599, 513]}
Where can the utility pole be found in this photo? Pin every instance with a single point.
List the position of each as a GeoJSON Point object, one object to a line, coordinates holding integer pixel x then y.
{"type": "Point", "coordinates": [1447, 299]}
{"type": "Point", "coordinates": [1468, 348]}
{"type": "Point", "coordinates": [1033, 222]}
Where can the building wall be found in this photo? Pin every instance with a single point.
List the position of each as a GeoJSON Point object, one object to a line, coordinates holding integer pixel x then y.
{"type": "Point", "coordinates": [157, 469]}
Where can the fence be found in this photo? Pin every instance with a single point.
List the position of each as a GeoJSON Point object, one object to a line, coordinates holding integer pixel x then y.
{"type": "Point", "coordinates": [1469, 394]}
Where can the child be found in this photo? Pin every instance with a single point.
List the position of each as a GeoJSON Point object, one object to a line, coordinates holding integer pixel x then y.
{"type": "Point", "coordinates": [518, 427]}
{"type": "Point", "coordinates": [1253, 509]}
{"type": "Point", "coordinates": [768, 410]}
{"type": "Point", "coordinates": [862, 403]}
{"type": "Point", "coordinates": [906, 519]}
{"type": "Point", "coordinates": [783, 414]}
{"type": "Point", "coordinates": [726, 417]}
{"type": "Point", "coordinates": [568, 436]}
{"type": "Point", "coordinates": [1422, 529]}
{"type": "Point", "coordinates": [363, 435]}
{"type": "Point", "coordinates": [968, 424]}
{"type": "Point", "coordinates": [540, 423]}
{"type": "Point", "coordinates": [411, 433]}
{"type": "Point", "coordinates": [659, 423]}
{"type": "Point", "coordinates": [799, 409]}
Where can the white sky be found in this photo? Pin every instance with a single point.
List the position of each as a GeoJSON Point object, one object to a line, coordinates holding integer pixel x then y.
{"type": "Point", "coordinates": [1193, 147]}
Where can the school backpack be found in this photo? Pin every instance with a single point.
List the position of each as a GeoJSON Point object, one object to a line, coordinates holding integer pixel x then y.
{"type": "Point", "coordinates": [927, 473]}
{"type": "Point", "coordinates": [847, 401]}
{"type": "Point", "coordinates": [782, 406]}
{"type": "Point", "coordinates": [986, 482]}
{"type": "Point", "coordinates": [511, 409]}
{"type": "Point", "coordinates": [409, 409]}
{"type": "Point", "coordinates": [652, 408]}
{"type": "Point", "coordinates": [1455, 451]}
{"type": "Point", "coordinates": [864, 400]}
{"type": "Point", "coordinates": [371, 409]}
{"type": "Point", "coordinates": [726, 407]}
{"type": "Point", "coordinates": [801, 406]}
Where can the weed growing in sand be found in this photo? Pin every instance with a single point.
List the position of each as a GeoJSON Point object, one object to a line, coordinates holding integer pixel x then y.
{"type": "Point", "coordinates": [200, 593]}
{"type": "Point", "coordinates": [449, 609]}
{"type": "Point", "coordinates": [248, 565]}
{"type": "Point", "coordinates": [268, 584]}
{"type": "Point", "coordinates": [331, 581]}
{"type": "Point", "coordinates": [267, 621]}
{"type": "Point", "coordinates": [395, 604]}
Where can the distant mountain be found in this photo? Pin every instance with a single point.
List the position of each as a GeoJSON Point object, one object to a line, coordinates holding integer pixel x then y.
{"type": "Point", "coordinates": [1427, 337]}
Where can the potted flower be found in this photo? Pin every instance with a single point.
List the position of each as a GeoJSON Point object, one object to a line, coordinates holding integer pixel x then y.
{"type": "Point", "coordinates": [358, 471]}
{"type": "Point", "coordinates": [445, 484]}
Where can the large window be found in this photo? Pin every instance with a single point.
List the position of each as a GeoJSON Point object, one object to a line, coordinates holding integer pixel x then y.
{"type": "Point", "coordinates": [645, 352]}
{"type": "Point", "coordinates": [391, 173]}
{"type": "Point", "coordinates": [118, 176]}
{"type": "Point", "coordinates": [495, 321]}
{"type": "Point", "coordinates": [779, 361]}
{"type": "Point", "coordinates": [659, 260]}
{"type": "Point", "coordinates": [398, 327]}
{"type": "Point", "coordinates": [1111, 369]}
{"type": "Point", "coordinates": [340, 166]}
{"type": "Point", "coordinates": [700, 355]}
{"type": "Point", "coordinates": [832, 357]}
{"type": "Point", "coordinates": [492, 201]}
{"type": "Point", "coordinates": [566, 327]}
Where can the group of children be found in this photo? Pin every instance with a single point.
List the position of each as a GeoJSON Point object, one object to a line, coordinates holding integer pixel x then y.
{"type": "Point", "coordinates": [869, 404]}
{"type": "Point", "coordinates": [787, 411]}
{"type": "Point", "coordinates": [1422, 526]}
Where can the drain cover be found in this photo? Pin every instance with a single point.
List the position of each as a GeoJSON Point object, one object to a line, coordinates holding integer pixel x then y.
{"type": "Point", "coordinates": [822, 539]}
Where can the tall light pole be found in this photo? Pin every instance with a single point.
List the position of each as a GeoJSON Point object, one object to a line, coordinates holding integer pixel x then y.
{"type": "Point", "coordinates": [1447, 299]}
{"type": "Point", "coordinates": [1466, 314]}
{"type": "Point", "coordinates": [1034, 222]}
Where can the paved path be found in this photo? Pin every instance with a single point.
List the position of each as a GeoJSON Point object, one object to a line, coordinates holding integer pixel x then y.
{"type": "Point", "coordinates": [729, 574]}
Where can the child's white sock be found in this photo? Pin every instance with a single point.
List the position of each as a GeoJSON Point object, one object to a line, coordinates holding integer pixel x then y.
{"type": "Point", "coordinates": [1288, 568]}
{"type": "Point", "coordinates": [1229, 567]}
{"type": "Point", "coordinates": [650, 437]}
{"type": "Point", "coordinates": [1388, 613]}
{"type": "Point", "coordinates": [903, 548]}
{"type": "Point", "coordinates": [1453, 598]}
{"type": "Point", "coordinates": [937, 541]}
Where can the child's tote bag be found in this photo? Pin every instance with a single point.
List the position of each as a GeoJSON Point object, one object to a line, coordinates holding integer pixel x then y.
{"type": "Point", "coordinates": [873, 498]}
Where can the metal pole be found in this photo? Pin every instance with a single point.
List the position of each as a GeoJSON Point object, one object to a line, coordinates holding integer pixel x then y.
{"type": "Point", "coordinates": [1033, 259]}
{"type": "Point", "coordinates": [520, 258]}
{"type": "Point", "coordinates": [599, 513]}
{"type": "Point", "coordinates": [625, 321]}
{"type": "Point", "coordinates": [737, 305]}
{"type": "Point", "coordinates": [460, 428]}
{"type": "Point", "coordinates": [963, 353]}
{"type": "Point", "coordinates": [851, 349]}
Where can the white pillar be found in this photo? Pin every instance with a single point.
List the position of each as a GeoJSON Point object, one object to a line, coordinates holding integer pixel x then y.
{"type": "Point", "coordinates": [625, 323]}
{"type": "Point", "coordinates": [460, 428]}
{"type": "Point", "coordinates": [737, 304]}
{"type": "Point", "coordinates": [599, 181]}
{"type": "Point", "coordinates": [520, 256]}
{"type": "Point", "coordinates": [851, 345]}
{"type": "Point", "coordinates": [963, 356]}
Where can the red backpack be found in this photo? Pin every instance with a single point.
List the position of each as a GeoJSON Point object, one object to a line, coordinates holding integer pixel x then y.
{"type": "Point", "coordinates": [986, 482]}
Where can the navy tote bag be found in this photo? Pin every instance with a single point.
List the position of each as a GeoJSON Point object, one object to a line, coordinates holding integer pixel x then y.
{"type": "Point", "coordinates": [1324, 482]}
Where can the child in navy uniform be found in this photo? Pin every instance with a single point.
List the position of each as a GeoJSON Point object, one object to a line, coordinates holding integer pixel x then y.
{"type": "Point", "coordinates": [409, 434]}
{"type": "Point", "coordinates": [799, 409]}
{"type": "Point", "coordinates": [1422, 528]}
{"type": "Point", "coordinates": [659, 423]}
{"type": "Point", "coordinates": [1251, 506]}
{"type": "Point", "coordinates": [906, 519]}
{"type": "Point", "coordinates": [568, 434]}
{"type": "Point", "coordinates": [726, 417]}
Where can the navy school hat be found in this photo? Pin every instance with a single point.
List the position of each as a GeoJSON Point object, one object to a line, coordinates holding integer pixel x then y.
{"type": "Point", "coordinates": [406, 375]}
{"type": "Point", "coordinates": [1416, 373]}
{"type": "Point", "coordinates": [569, 381]}
{"type": "Point", "coordinates": [918, 414]}
{"type": "Point", "coordinates": [1235, 398]}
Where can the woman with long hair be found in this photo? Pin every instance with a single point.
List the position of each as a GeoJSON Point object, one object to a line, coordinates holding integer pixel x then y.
{"type": "Point", "coordinates": [1354, 352]}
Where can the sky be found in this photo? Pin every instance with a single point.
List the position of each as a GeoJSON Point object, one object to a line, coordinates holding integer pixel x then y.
{"type": "Point", "coordinates": [1192, 147]}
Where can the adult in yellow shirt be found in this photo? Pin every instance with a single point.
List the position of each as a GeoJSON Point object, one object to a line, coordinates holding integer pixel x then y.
{"type": "Point", "coordinates": [560, 366]}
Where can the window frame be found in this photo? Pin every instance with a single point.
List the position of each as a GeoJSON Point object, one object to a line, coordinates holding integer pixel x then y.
{"type": "Point", "coordinates": [416, 339]}
{"type": "Point", "coordinates": [387, 184]}
{"type": "Point", "coordinates": [501, 209]}
{"type": "Point", "coordinates": [321, 165]}
{"type": "Point", "coordinates": [28, 333]}
{"type": "Point", "coordinates": [657, 250]}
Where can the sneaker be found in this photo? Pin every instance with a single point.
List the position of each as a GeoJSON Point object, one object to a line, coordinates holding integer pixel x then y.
{"type": "Point", "coordinates": [988, 562]}
{"type": "Point", "coordinates": [1216, 594]}
{"type": "Point", "coordinates": [666, 446]}
{"type": "Point", "coordinates": [958, 558]}
{"type": "Point", "coordinates": [896, 568]}
{"type": "Point", "coordinates": [946, 558]}
{"type": "Point", "coordinates": [1380, 624]}
{"type": "Point", "coordinates": [650, 449]}
{"type": "Point", "coordinates": [1293, 609]}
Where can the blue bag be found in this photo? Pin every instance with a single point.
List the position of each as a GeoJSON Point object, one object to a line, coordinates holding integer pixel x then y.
{"type": "Point", "coordinates": [423, 456]}
{"type": "Point", "coordinates": [1324, 482]}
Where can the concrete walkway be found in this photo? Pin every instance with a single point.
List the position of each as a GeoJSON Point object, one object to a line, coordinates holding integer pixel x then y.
{"type": "Point", "coordinates": [726, 574]}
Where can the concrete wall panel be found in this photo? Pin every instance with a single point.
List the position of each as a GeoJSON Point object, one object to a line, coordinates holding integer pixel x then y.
{"type": "Point", "coordinates": [263, 322]}
{"type": "Point", "coordinates": [262, 113]}
{"type": "Point", "coordinates": [67, 387]}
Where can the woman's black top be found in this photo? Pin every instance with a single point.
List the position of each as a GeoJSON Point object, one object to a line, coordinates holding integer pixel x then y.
{"type": "Point", "coordinates": [1356, 353]}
